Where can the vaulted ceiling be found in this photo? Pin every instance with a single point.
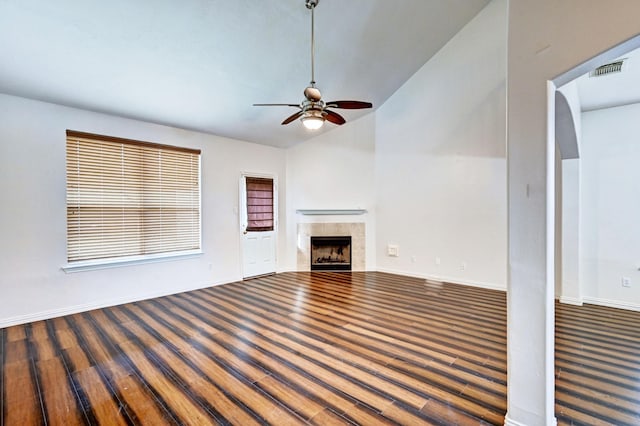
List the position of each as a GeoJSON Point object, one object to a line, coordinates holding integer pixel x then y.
{"type": "Point", "coordinates": [201, 64]}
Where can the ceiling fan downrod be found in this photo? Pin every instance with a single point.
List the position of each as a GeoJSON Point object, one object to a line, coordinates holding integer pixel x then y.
{"type": "Point", "coordinates": [311, 5]}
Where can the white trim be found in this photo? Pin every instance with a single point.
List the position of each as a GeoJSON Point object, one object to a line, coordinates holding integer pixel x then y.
{"type": "Point", "coordinates": [612, 303]}
{"type": "Point", "coordinates": [510, 422]}
{"type": "Point", "coordinates": [568, 300]}
{"type": "Point", "coordinates": [91, 265]}
{"type": "Point", "coordinates": [334, 212]}
{"type": "Point", "coordinates": [480, 284]}
{"type": "Point", "coordinates": [54, 313]}
{"type": "Point", "coordinates": [543, 391]}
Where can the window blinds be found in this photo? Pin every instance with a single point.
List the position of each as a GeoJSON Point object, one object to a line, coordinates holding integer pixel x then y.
{"type": "Point", "coordinates": [130, 198]}
{"type": "Point", "coordinates": [259, 204]}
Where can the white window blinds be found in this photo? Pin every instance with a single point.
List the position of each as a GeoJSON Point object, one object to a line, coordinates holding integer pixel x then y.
{"type": "Point", "coordinates": [130, 198]}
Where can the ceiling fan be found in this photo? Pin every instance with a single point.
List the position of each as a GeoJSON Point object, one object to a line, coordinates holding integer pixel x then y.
{"type": "Point", "coordinates": [313, 110]}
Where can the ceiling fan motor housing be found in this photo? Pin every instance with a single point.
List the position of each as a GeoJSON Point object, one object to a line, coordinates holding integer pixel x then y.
{"type": "Point", "coordinates": [312, 3]}
{"type": "Point", "coordinates": [312, 93]}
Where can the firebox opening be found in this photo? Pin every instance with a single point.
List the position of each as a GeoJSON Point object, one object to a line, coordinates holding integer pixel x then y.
{"type": "Point", "coordinates": [331, 253]}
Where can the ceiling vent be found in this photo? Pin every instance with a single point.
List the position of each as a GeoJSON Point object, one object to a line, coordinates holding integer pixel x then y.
{"type": "Point", "coordinates": [612, 68]}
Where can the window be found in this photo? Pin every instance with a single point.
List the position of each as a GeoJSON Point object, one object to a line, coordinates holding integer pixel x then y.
{"type": "Point", "coordinates": [130, 199]}
{"type": "Point", "coordinates": [259, 204]}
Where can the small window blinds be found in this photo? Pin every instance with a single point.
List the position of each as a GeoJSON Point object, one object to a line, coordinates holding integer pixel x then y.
{"type": "Point", "coordinates": [259, 204]}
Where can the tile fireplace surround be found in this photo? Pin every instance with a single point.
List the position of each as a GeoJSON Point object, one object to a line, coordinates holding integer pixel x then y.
{"type": "Point", "coordinates": [355, 230]}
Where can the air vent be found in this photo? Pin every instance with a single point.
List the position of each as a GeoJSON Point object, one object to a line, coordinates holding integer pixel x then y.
{"type": "Point", "coordinates": [606, 69]}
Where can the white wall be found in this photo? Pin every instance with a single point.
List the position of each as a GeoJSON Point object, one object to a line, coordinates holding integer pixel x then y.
{"type": "Point", "coordinates": [333, 171]}
{"type": "Point", "coordinates": [568, 198]}
{"type": "Point", "coordinates": [547, 38]}
{"type": "Point", "coordinates": [572, 95]}
{"type": "Point", "coordinates": [610, 206]}
{"type": "Point", "coordinates": [33, 213]}
{"type": "Point", "coordinates": [440, 161]}
{"type": "Point", "coordinates": [571, 289]}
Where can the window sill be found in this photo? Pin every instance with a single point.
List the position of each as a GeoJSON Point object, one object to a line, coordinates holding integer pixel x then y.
{"type": "Point", "coordinates": [338, 212]}
{"type": "Point", "coordinates": [91, 265]}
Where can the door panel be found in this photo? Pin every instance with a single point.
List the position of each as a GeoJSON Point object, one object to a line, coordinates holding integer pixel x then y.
{"type": "Point", "coordinates": [258, 246]}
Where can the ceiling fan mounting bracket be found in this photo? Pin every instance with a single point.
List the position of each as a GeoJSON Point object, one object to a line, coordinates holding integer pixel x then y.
{"type": "Point", "coordinates": [311, 3]}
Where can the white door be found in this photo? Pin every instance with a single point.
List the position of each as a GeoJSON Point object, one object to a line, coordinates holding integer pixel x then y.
{"type": "Point", "coordinates": [258, 224]}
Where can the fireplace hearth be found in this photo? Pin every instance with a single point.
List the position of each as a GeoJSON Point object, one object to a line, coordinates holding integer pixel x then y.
{"type": "Point", "coordinates": [331, 253]}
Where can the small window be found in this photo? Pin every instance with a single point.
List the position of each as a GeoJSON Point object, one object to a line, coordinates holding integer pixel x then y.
{"type": "Point", "coordinates": [259, 204]}
{"type": "Point", "coordinates": [130, 199]}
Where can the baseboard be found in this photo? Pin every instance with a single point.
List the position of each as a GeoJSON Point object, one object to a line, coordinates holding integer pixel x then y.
{"type": "Point", "coordinates": [510, 422]}
{"type": "Point", "coordinates": [489, 286]}
{"type": "Point", "coordinates": [612, 303]}
{"type": "Point", "coordinates": [69, 310]}
{"type": "Point", "coordinates": [568, 300]}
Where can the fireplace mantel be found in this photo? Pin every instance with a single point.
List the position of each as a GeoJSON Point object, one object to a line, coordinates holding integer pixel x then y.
{"type": "Point", "coordinates": [337, 212]}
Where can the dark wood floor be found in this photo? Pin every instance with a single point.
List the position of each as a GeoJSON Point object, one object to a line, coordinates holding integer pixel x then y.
{"type": "Point", "coordinates": [317, 348]}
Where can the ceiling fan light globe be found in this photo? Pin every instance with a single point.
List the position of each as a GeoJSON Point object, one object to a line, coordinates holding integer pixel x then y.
{"type": "Point", "coordinates": [312, 122]}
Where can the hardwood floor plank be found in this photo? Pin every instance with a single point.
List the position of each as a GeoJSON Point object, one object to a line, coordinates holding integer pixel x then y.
{"type": "Point", "coordinates": [16, 333]}
{"type": "Point", "coordinates": [60, 400]}
{"type": "Point", "coordinates": [16, 351]}
{"type": "Point", "coordinates": [304, 406]}
{"type": "Point", "coordinates": [99, 399]}
{"type": "Point", "coordinates": [449, 415]}
{"type": "Point", "coordinates": [405, 417]}
{"type": "Point", "coordinates": [329, 418]}
{"type": "Point", "coordinates": [22, 401]}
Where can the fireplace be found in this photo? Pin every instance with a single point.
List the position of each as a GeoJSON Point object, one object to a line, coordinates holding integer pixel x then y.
{"type": "Point", "coordinates": [326, 229]}
{"type": "Point", "coordinates": [331, 253]}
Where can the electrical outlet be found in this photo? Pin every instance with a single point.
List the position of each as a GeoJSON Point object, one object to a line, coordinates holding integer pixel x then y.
{"type": "Point", "coordinates": [463, 266]}
{"type": "Point", "coordinates": [393, 250]}
{"type": "Point", "coordinates": [626, 282]}
{"type": "Point", "coordinates": [437, 260]}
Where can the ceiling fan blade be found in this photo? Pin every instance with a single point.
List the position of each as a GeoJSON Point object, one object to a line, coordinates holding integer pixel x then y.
{"type": "Point", "coordinates": [290, 105]}
{"type": "Point", "coordinates": [334, 117]}
{"type": "Point", "coordinates": [349, 104]}
{"type": "Point", "coordinates": [292, 117]}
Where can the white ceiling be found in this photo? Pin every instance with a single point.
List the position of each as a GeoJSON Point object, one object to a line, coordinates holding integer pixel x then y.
{"type": "Point", "coordinates": [612, 90]}
{"type": "Point", "coordinates": [201, 64]}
